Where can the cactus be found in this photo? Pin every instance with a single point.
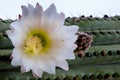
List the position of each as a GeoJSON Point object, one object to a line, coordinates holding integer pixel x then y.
{"type": "Point", "coordinates": [101, 61]}
{"type": "Point", "coordinates": [92, 24]}
{"type": "Point", "coordinates": [5, 42]}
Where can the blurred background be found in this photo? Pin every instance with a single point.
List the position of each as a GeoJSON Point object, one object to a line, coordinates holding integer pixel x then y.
{"type": "Point", "coordinates": [9, 9]}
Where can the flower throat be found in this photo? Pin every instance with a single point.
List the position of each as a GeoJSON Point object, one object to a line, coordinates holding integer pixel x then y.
{"type": "Point", "coordinates": [36, 43]}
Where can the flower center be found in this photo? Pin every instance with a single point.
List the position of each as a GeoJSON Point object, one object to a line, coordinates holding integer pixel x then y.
{"type": "Point", "coordinates": [37, 42]}
{"type": "Point", "coordinates": [33, 45]}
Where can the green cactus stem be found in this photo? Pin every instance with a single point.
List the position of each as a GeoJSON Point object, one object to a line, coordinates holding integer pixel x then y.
{"type": "Point", "coordinates": [100, 62]}
{"type": "Point", "coordinates": [95, 23]}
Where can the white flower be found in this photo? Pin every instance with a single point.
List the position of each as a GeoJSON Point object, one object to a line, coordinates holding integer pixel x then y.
{"type": "Point", "coordinates": [41, 41]}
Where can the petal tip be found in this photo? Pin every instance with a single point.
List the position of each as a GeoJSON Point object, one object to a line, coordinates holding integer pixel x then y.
{"type": "Point", "coordinates": [39, 7]}
{"type": "Point", "coordinates": [37, 4]}
{"type": "Point", "coordinates": [29, 5]}
{"type": "Point", "coordinates": [25, 10]}
{"type": "Point", "coordinates": [53, 6]}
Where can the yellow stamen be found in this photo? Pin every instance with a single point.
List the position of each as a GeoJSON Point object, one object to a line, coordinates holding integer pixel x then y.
{"type": "Point", "coordinates": [37, 42]}
{"type": "Point", "coordinates": [33, 46]}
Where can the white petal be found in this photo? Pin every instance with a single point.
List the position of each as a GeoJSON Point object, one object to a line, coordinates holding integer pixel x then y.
{"type": "Point", "coordinates": [51, 20]}
{"type": "Point", "coordinates": [70, 30]}
{"type": "Point", "coordinates": [65, 33]}
{"type": "Point", "coordinates": [54, 25]}
{"type": "Point", "coordinates": [38, 10]}
{"type": "Point", "coordinates": [17, 58]}
{"type": "Point", "coordinates": [61, 19]}
{"type": "Point", "coordinates": [71, 52]}
{"type": "Point", "coordinates": [27, 63]}
{"type": "Point", "coordinates": [37, 72]}
{"type": "Point", "coordinates": [44, 63]}
{"type": "Point", "coordinates": [31, 8]}
{"type": "Point", "coordinates": [16, 34]}
{"type": "Point", "coordinates": [25, 11]}
{"type": "Point", "coordinates": [70, 42]}
{"type": "Point", "coordinates": [31, 22]}
{"type": "Point", "coordinates": [51, 12]}
{"type": "Point", "coordinates": [30, 64]}
{"type": "Point", "coordinates": [68, 53]}
{"type": "Point", "coordinates": [47, 65]}
{"type": "Point", "coordinates": [62, 53]}
{"type": "Point", "coordinates": [23, 69]}
{"type": "Point", "coordinates": [63, 64]}
{"type": "Point", "coordinates": [34, 65]}
{"type": "Point", "coordinates": [64, 41]}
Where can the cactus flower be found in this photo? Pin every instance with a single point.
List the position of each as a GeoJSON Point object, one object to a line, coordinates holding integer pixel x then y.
{"type": "Point", "coordinates": [41, 41]}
